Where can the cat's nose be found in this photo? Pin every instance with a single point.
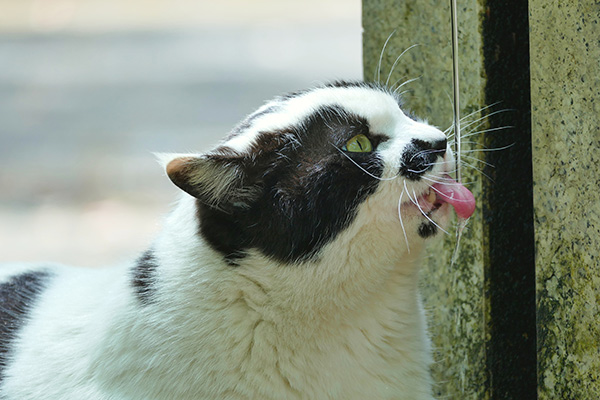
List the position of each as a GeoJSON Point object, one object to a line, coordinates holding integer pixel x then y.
{"type": "Point", "coordinates": [420, 156]}
{"type": "Point", "coordinates": [440, 146]}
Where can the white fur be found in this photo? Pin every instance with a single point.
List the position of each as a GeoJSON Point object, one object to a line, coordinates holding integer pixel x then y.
{"type": "Point", "coordinates": [348, 325]}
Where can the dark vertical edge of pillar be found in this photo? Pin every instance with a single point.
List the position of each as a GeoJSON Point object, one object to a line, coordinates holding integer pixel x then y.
{"type": "Point", "coordinates": [508, 210]}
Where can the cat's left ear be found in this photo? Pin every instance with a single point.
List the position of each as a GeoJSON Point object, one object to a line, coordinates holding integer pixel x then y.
{"type": "Point", "coordinates": [217, 180]}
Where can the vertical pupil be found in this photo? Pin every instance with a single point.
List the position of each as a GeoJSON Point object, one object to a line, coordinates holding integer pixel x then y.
{"type": "Point", "coordinates": [359, 144]}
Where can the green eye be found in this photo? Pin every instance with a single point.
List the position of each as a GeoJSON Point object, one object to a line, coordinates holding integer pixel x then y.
{"type": "Point", "coordinates": [358, 144]}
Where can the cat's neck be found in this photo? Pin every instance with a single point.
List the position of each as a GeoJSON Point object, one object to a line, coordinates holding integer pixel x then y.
{"type": "Point", "coordinates": [327, 291]}
{"type": "Point", "coordinates": [295, 317]}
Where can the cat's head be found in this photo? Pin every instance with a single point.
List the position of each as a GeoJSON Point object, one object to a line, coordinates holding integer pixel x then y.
{"type": "Point", "coordinates": [323, 171]}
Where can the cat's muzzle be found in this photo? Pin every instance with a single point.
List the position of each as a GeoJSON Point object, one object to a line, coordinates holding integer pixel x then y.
{"type": "Point", "coordinates": [420, 156]}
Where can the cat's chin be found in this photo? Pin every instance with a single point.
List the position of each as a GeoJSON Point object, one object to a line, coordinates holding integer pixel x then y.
{"type": "Point", "coordinates": [414, 222]}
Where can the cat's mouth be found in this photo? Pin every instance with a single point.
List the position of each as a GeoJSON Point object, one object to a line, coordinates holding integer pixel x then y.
{"type": "Point", "coordinates": [447, 190]}
{"type": "Point", "coordinates": [430, 201]}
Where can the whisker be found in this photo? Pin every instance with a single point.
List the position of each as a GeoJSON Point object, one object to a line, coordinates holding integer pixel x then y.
{"type": "Point", "coordinates": [378, 72]}
{"type": "Point", "coordinates": [486, 150]}
{"type": "Point", "coordinates": [414, 201]}
{"type": "Point", "coordinates": [474, 128]}
{"type": "Point", "coordinates": [440, 179]}
{"type": "Point", "coordinates": [479, 121]}
{"type": "Point", "coordinates": [425, 152]}
{"type": "Point", "coordinates": [484, 117]}
{"type": "Point", "coordinates": [480, 110]}
{"type": "Point", "coordinates": [427, 216]}
{"type": "Point", "coordinates": [477, 169]}
{"type": "Point", "coordinates": [404, 91]}
{"type": "Point", "coordinates": [488, 130]}
{"type": "Point", "coordinates": [408, 194]}
{"type": "Point", "coordinates": [361, 168]}
{"type": "Point", "coordinates": [397, 81]}
{"type": "Point", "coordinates": [462, 224]}
{"type": "Point", "coordinates": [406, 83]}
{"type": "Point", "coordinates": [448, 181]}
{"type": "Point", "coordinates": [400, 217]}
{"type": "Point", "coordinates": [469, 142]}
{"type": "Point", "coordinates": [396, 62]}
{"type": "Point", "coordinates": [479, 160]}
{"type": "Point", "coordinates": [417, 172]}
{"type": "Point", "coordinates": [435, 163]}
{"type": "Point", "coordinates": [449, 172]}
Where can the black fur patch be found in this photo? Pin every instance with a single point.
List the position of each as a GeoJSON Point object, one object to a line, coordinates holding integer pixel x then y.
{"type": "Point", "coordinates": [427, 229]}
{"type": "Point", "coordinates": [144, 277]}
{"type": "Point", "coordinates": [360, 84]}
{"type": "Point", "coordinates": [17, 297]}
{"type": "Point", "coordinates": [308, 192]}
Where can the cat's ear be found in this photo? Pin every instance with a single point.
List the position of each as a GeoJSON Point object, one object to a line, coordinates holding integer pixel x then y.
{"type": "Point", "coordinates": [216, 179]}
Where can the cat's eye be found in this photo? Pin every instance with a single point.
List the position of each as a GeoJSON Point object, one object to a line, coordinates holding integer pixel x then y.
{"type": "Point", "coordinates": [358, 144]}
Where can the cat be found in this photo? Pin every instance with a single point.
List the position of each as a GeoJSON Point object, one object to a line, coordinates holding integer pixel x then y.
{"type": "Point", "coordinates": [287, 270]}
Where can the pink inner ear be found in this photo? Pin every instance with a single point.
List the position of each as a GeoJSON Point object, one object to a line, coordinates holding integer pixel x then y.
{"type": "Point", "coordinates": [177, 166]}
{"type": "Point", "coordinates": [180, 170]}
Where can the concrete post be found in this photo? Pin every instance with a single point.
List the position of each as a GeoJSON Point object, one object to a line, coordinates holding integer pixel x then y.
{"type": "Point", "coordinates": [517, 316]}
{"type": "Point", "coordinates": [565, 97]}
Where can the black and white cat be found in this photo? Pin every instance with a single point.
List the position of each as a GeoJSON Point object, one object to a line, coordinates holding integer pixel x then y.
{"type": "Point", "coordinates": [288, 269]}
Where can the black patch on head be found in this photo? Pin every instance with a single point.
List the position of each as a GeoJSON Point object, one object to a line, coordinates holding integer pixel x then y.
{"type": "Point", "coordinates": [420, 156]}
{"type": "Point", "coordinates": [427, 229]}
{"type": "Point", "coordinates": [360, 84]}
{"type": "Point", "coordinates": [17, 297]}
{"type": "Point", "coordinates": [308, 190]}
{"type": "Point", "coordinates": [144, 277]}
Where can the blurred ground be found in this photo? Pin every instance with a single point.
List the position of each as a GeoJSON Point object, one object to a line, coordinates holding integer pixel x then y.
{"type": "Point", "coordinates": [89, 89]}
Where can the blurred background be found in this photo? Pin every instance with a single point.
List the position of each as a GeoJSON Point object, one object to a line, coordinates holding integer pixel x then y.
{"type": "Point", "coordinates": [89, 89]}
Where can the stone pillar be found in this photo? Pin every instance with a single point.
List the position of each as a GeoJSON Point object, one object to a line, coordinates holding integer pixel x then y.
{"type": "Point", "coordinates": [482, 308]}
{"type": "Point", "coordinates": [517, 315]}
{"type": "Point", "coordinates": [565, 97]}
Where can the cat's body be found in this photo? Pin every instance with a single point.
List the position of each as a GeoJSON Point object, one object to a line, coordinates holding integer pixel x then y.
{"type": "Point", "coordinates": [285, 274]}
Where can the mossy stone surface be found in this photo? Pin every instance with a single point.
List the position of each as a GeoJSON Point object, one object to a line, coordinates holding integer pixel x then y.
{"type": "Point", "coordinates": [565, 96]}
{"type": "Point", "coordinates": [565, 124]}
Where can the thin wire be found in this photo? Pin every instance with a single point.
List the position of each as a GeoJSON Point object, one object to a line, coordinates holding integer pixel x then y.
{"type": "Point", "coordinates": [396, 62]}
{"type": "Point", "coordinates": [457, 137]}
{"type": "Point", "coordinates": [455, 85]}
{"type": "Point", "coordinates": [378, 72]}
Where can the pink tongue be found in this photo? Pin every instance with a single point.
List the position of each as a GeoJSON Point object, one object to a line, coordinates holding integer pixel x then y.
{"type": "Point", "coordinates": [457, 196]}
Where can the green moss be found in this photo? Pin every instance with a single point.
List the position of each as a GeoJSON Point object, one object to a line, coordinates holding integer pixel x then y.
{"type": "Point", "coordinates": [565, 120]}
{"type": "Point", "coordinates": [568, 330]}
